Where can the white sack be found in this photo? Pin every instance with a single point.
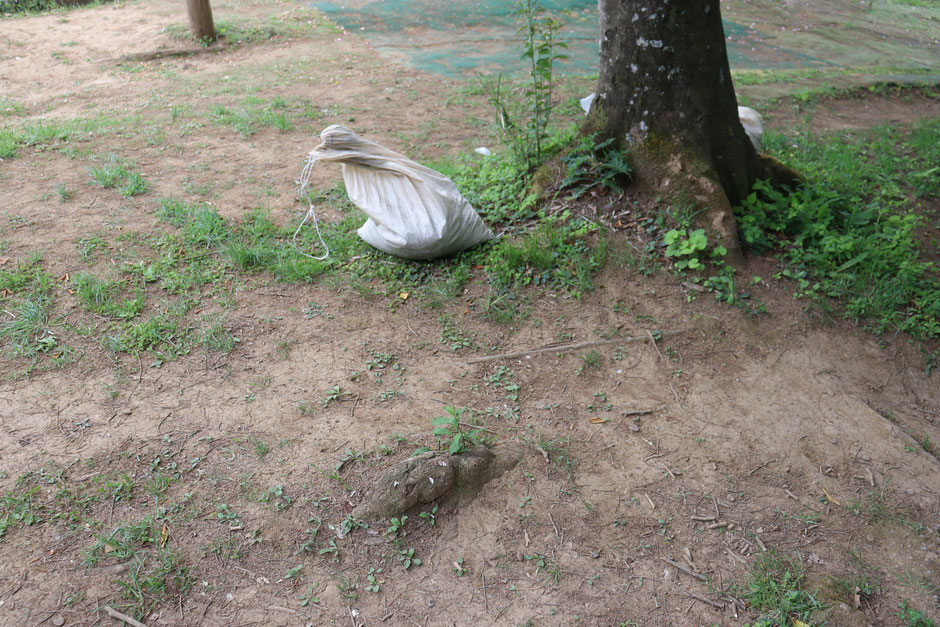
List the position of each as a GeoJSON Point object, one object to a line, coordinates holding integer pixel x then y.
{"type": "Point", "coordinates": [753, 125]}
{"type": "Point", "coordinates": [414, 212]}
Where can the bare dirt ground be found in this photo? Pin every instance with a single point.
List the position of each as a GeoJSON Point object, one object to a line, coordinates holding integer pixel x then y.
{"type": "Point", "coordinates": [789, 432]}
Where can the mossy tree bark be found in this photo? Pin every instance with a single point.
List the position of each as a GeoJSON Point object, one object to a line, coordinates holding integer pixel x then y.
{"type": "Point", "coordinates": [665, 92]}
{"type": "Point", "coordinates": [200, 20]}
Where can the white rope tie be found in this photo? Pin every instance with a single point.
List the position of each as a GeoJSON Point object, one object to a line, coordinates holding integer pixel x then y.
{"type": "Point", "coordinates": [311, 212]}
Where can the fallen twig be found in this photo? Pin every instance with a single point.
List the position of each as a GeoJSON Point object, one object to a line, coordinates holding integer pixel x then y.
{"type": "Point", "coordinates": [698, 576]}
{"type": "Point", "coordinates": [758, 468]}
{"type": "Point", "coordinates": [563, 348]}
{"type": "Point", "coordinates": [697, 597]}
{"type": "Point", "coordinates": [113, 613]}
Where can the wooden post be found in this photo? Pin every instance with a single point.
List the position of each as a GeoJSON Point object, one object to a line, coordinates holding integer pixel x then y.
{"type": "Point", "coordinates": [200, 20]}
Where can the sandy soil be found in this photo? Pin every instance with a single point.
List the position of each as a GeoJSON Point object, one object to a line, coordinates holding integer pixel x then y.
{"type": "Point", "coordinates": [790, 432]}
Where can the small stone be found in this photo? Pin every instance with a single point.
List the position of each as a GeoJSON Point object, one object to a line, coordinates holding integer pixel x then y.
{"type": "Point", "coordinates": [595, 554]}
{"type": "Point", "coordinates": [910, 491]}
{"type": "Point", "coordinates": [58, 620]}
{"type": "Point", "coordinates": [429, 602]}
{"type": "Point", "coordinates": [731, 498]}
{"type": "Point", "coordinates": [869, 538]}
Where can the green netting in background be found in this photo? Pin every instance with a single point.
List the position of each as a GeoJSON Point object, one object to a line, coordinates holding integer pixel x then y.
{"type": "Point", "coordinates": [462, 38]}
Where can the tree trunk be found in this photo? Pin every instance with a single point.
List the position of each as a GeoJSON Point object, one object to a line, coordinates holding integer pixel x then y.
{"type": "Point", "coordinates": [200, 20]}
{"type": "Point", "coordinates": [664, 91]}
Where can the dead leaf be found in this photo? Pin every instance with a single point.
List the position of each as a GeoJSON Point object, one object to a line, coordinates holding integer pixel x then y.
{"type": "Point", "coordinates": [164, 536]}
{"type": "Point", "coordinates": [403, 295]}
{"type": "Point", "coordinates": [599, 420]}
{"type": "Point", "coordinates": [64, 277]}
{"type": "Point", "coordinates": [856, 599]}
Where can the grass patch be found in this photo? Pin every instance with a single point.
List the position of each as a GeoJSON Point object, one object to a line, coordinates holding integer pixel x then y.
{"type": "Point", "coordinates": [154, 572]}
{"type": "Point", "coordinates": [118, 174]}
{"type": "Point", "coordinates": [26, 294]}
{"type": "Point", "coordinates": [42, 134]}
{"type": "Point", "coordinates": [105, 297]}
{"type": "Point", "coordinates": [849, 234]}
{"type": "Point", "coordinates": [255, 113]}
{"type": "Point", "coordinates": [160, 333]}
{"type": "Point", "coordinates": [776, 591]}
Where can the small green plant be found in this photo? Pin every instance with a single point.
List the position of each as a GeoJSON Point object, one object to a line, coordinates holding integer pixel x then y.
{"type": "Point", "coordinates": [116, 174]}
{"type": "Point", "coordinates": [546, 565]}
{"type": "Point", "coordinates": [396, 526]}
{"type": "Point", "coordinates": [407, 559]}
{"type": "Point", "coordinates": [590, 360]}
{"type": "Point", "coordinates": [688, 247]}
{"type": "Point", "coordinates": [459, 568]}
{"type": "Point", "coordinates": [332, 550]}
{"type": "Point", "coordinates": [859, 581]}
{"type": "Point", "coordinates": [430, 516]}
{"type": "Point", "coordinates": [914, 618]}
{"type": "Point", "coordinates": [217, 338]}
{"type": "Point", "coordinates": [333, 395]}
{"type": "Point", "coordinates": [591, 164]}
{"type": "Point", "coordinates": [260, 447]}
{"type": "Point", "coordinates": [18, 509]}
{"type": "Point", "coordinates": [309, 596]}
{"type": "Point", "coordinates": [63, 192]}
{"type": "Point", "coordinates": [450, 433]}
{"type": "Point", "coordinates": [776, 590]}
{"type": "Point", "coordinates": [307, 545]}
{"type": "Point", "coordinates": [373, 583]}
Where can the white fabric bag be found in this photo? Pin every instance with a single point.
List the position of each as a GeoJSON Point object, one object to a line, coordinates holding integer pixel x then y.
{"type": "Point", "coordinates": [414, 212]}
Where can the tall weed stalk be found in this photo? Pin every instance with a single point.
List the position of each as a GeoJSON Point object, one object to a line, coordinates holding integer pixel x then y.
{"type": "Point", "coordinates": [523, 126]}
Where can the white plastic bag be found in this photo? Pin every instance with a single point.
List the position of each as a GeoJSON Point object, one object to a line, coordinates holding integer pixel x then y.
{"type": "Point", "coordinates": [414, 212]}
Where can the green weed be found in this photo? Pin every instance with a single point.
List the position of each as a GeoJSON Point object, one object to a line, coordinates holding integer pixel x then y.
{"type": "Point", "coordinates": [104, 297]}
{"type": "Point", "coordinates": [913, 618]}
{"type": "Point", "coordinates": [160, 333]}
{"type": "Point", "coordinates": [776, 591]}
{"type": "Point", "coordinates": [590, 165]}
{"type": "Point", "coordinates": [523, 118]}
{"type": "Point", "coordinates": [451, 432]}
{"type": "Point", "coordinates": [216, 337]}
{"type": "Point", "coordinates": [18, 509]}
{"type": "Point", "coordinates": [848, 235]}
{"type": "Point", "coordinates": [27, 330]}
{"type": "Point", "coordinates": [116, 173]}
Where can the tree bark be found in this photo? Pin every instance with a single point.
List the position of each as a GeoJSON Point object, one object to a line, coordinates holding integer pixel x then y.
{"type": "Point", "coordinates": [665, 92]}
{"type": "Point", "coordinates": [200, 20]}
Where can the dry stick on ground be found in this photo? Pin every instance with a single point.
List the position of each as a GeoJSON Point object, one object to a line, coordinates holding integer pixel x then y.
{"type": "Point", "coordinates": [113, 613]}
{"type": "Point", "coordinates": [698, 576]}
{"type": "Point", "coordinates": [697, 597]}
{"type": "Point", "coordinates": [563, 348]}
